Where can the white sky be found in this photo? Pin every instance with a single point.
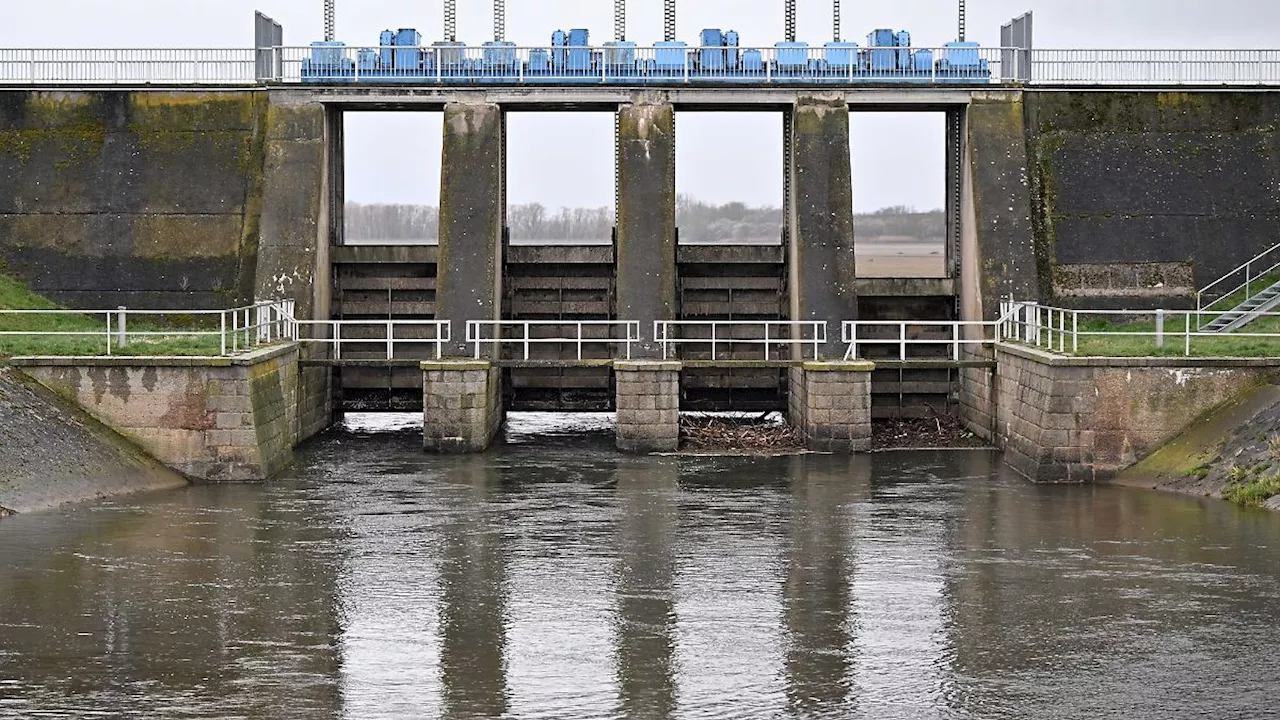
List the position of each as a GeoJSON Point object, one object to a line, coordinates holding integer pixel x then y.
{"type": "Point", "coordinates": [561, 160]}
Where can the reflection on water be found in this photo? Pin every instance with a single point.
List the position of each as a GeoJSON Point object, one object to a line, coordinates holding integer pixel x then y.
{"type": "Point", "coordinates": [563, 580]}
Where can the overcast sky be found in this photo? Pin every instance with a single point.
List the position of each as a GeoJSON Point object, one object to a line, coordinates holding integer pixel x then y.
{"type": "Point", "coordinates": [567, 160]}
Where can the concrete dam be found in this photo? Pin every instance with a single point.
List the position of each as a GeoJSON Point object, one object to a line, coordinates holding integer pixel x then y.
{"type": "Point", "coordinates": [216, 197]}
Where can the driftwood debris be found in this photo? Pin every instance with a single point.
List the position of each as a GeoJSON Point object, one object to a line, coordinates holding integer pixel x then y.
{"type": "Point", "coordinates": [764, 433]}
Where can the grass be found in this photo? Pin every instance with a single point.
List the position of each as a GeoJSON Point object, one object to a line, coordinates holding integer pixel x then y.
{"type": "Point", "coordinates": [89, 332]}
{"type": "Point", "coordinates": [1113, 339]}
{"type": "Point", "coordinates": [1252, 490]}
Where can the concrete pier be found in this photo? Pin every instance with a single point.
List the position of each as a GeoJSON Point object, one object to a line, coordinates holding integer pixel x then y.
{"type": "Point", "coordinates": [648, 404]}
{"type": "Point", "coordinates": [472, 215]}
{"type": "Point", "coordinates": [830, 404]}
{"type": "Point", "coordinates": [646, 260]}
{"type": "Point", "coordinates": [820, 215]}
{"type": "Point", "coordinates": [462, 404]}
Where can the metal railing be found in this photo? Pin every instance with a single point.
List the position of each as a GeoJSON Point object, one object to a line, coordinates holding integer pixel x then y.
{"type": "Point", "coordinates": [579, 334]}
{"type": "Point", "coordinates": [129, 66]}
{"type": "Point", "coordinates": [380, 339]}
{"type": "Point", "coordinates": [237, 330]}
{"type": "Point", "coordinates": [646, 65]}
{"type": "Point", "coordinates": [1240, 284]}
{"type": "Point", "coordinates": [774, 337]}
{"type": "Point", "coordinates": [1128, 332]}
{"type": "Point", "coordinates": [1155, 67]}
{"type": "Point", "coordinates": [913, 334]}
{"type": "Point", "coordinates": [641, 65]}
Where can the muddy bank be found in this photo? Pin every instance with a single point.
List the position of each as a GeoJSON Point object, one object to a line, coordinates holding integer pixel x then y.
{"type": "Point", "coordinates": [1232, 453]}
{"type": "Point", "coordinates": [53, 453]}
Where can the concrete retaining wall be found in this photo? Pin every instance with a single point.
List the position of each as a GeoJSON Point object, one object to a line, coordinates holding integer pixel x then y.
{"type": "Point", "coordinates": [213, 419]}
{"type": "Point", "coordinates": [1073, 420]}
{"type": "Point", "coordinates": [54, 453]}
{"type": "Point", "coordinates": [161, 200]}
{"type": "Point", "coordinates": [1142, 197]}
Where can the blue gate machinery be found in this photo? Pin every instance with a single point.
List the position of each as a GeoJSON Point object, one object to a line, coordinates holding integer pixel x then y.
{"type": "Point", "coordinates": [570, 59]}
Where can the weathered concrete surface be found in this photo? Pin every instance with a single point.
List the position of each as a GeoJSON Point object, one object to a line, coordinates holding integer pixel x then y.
{"type": "Point", "coordinates": [823, 278]}
{"type": "Point", "coordinates": [648, 402]}
{"type": "Point", "coordinates": [1079, 420]}
{"type": "Point", "coordinates": [472, 213]}
{"type": "Point", "coordinates": [1200, 461]}
{"type": "Point", "coordinates": [213, 419]}
{"type": "Point", "coordinates": [292, 259]}
{"type": "Point", "coordinates": [144, 199]}
{"type": "Point", "coordinates": [998, 239]}
{"type": "Point", "coordinates": [830, 405]}
{"type": "Point", "coordinates": [646, 260]}
{"type": "Point", "coordinates": [54, 453]}
{"type": "Point", "coordinates": [1179, 182]}
{"type": "Point", "coordinates": [462, 405]}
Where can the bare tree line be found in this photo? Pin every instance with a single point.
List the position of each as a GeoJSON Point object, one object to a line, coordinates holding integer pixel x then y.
{"type": "Point", "coordinates": [698, 222]}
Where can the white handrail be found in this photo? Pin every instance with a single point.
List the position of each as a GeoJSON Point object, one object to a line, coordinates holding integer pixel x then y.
{"type": "Point", "coordinates": [801, 333]}
{"type": "Point", "coordinates": [530, 333]}
{"type": "Point", "coordinates": [390, 340]}
{"type": "Point", "coordinates": [241, 328]}
{"type": "Point", "coordinates": [849, 335]}
{"type": "Point", "coordinates": [1055, 329]}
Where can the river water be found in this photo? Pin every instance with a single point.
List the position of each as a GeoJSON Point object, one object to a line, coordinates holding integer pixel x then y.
{"type": "Point", "coordinates": [553, 578]}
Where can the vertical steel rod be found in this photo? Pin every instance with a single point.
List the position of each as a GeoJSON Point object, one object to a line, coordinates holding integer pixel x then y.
{"type": "Point", "coordinates": [499, 20]}
{"type": "Point", "coordinates": [620, 20]}
{"type": "Point", "coordinates": [835, 20]}
{"type": "Point", "coordinates": [789, 20]}
{"type": "Point", "coordinates": [450, 22]}
{"type": "Point", "coordinates": [962, 21]}
{"type": "Point", "coordinates": [669, 20]}
{"type": "Point", "coordinates": [330, 30]}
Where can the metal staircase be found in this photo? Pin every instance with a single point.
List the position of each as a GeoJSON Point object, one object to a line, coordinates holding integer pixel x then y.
{"type": "Point", "coordinates": [1246, 312]}
{"type": "Point", "coordinates": [1254, 288]}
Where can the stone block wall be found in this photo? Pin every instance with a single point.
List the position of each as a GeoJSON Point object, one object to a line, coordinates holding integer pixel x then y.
{"type": "Point", "coordinates": [462, 405]}
{"type": "Point", "coordinates": [830, 404]}
{"type": "Point", "coordinates": [648, 402]}
{"type": "Point", "coordinates": [212, 419]}
{"type": "Point", "coordinates": [1075, 420]}
{"type": "Point", "coordinates": [977, 396]}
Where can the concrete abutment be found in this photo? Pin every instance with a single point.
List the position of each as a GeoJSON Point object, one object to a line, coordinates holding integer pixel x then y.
{"type": "Point", "coordinates": [830, 405]}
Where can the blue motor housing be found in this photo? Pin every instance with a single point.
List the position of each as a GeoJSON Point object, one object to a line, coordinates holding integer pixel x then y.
{"type": "Point", "coordinates": [711, 56]}
{"type": "Point", "coordinates": [620, 54]}
{"type": "Point", "coordinates": [539, 60]}
{"type": "Point", "coordinates": [406, 55]}
{"type": "Point", "coordinates": [922, 61]}
{"type": "Point", "coordinates": [385, 42]}
{"type": "Point", "coordinates": [841, 55]}
{"type": "Point", "coordinates": [670, 56]}
{"type": "Point", "coordinates": [792, 56]}
{"type": "Point", "coordinates": [752, 61]}
{"type": "Point", "coordinates": [499, 55]}
{"type": "Point", "coordinates": [962, 56]}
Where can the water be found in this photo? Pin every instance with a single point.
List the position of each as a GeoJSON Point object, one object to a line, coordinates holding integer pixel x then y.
{"type": "Point", "coordinates": [560, 580]}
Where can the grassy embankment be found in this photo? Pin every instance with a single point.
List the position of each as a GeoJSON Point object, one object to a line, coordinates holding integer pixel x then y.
{"type": "Point", "coordinates": [86, 335]}
{"type": "Point", "coordinates": [1253, 486]}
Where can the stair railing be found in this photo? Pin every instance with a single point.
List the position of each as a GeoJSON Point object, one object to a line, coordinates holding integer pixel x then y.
{"type": "Point", "coordinates": [1210, 299]}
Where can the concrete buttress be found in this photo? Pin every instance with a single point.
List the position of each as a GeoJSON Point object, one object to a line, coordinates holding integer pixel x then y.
{"type": "Point", "coordinates": [472, 212]}
{"type": "Point", "coordinates": [646, 265]}
{"type": "Point", "coordinates": [820, 216]}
